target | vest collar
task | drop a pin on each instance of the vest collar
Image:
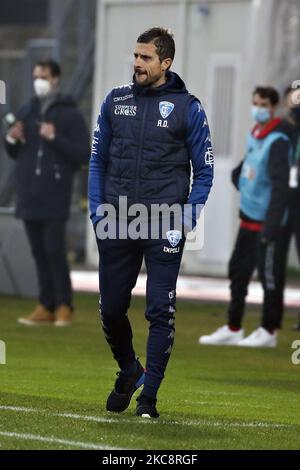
(262, 133)
(174, 84)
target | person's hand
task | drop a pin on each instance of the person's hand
(16, 132)
(47, 131)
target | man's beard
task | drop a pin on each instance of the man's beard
(149, 81)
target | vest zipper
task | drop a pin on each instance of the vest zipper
(140, 151)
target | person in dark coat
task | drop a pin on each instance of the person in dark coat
(49, 142)
(262, 179)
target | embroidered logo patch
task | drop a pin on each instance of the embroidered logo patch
(165, 108)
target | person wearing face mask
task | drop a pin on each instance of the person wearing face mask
(262, 179)
(49, 142)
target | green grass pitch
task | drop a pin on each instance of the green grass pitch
(55, 383)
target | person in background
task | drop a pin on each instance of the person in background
(49, 142)
(262, 179)
(292, 226)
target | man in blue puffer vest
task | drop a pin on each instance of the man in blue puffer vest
(148, 135)
(262, 179)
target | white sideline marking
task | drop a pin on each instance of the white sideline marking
(21, 409)
(219, 424)
(18, 409)
(55, 440)
(99, 419)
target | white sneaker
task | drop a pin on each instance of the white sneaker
(223, 335)
(260, 338)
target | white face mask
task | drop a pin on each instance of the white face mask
(42, 87)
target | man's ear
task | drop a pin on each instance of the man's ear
(166, 64)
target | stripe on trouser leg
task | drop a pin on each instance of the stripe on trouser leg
(269, 267)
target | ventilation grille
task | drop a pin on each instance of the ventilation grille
(223, 93)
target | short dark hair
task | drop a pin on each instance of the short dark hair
(163, 41)
(52, 65)
(267, 92)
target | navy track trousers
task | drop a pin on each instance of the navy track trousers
(119, 265)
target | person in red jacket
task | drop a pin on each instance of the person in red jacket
(262, 179)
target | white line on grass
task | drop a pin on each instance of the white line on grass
(220, 424)
(100, 419)
(196, 423)
(55, 440)
(19, 409)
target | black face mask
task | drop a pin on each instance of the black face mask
(295, 113)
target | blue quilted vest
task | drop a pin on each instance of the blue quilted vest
(148, 158)
(254, 183)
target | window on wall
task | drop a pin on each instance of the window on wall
(222, 105)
